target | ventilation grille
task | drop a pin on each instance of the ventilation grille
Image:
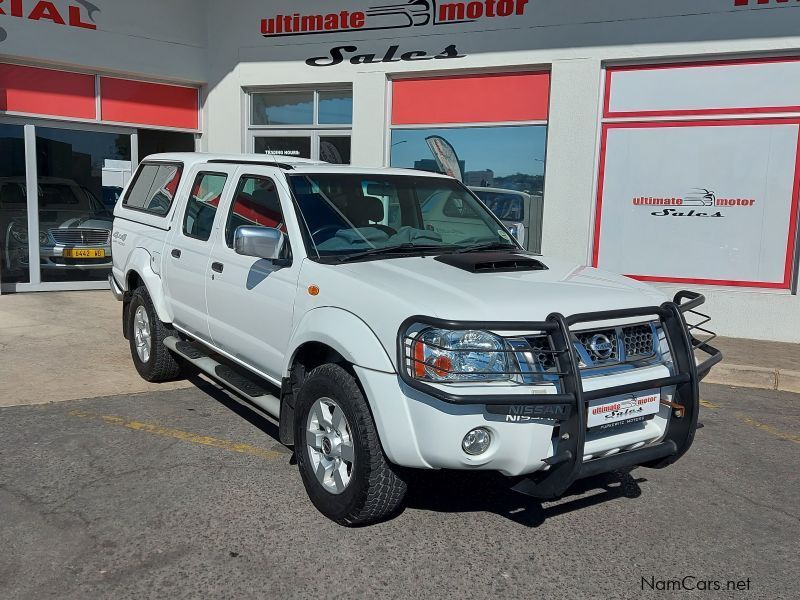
(81, 237)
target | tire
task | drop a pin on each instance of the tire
(375, 490)
(158, 363)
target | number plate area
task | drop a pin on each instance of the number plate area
(81, 253)
(608, 413)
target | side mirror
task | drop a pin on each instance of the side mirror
(518, 231)
(261, 242)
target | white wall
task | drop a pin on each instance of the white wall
(161, 39)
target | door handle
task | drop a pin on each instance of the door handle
(217, 266)
(176, 253)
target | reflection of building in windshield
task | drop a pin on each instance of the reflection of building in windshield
(428, 164)
(479, 178)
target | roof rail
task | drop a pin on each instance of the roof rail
(265, 163)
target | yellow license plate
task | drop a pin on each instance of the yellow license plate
(81, 253)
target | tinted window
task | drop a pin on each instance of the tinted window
(283, 108)
(198, 220)
(335, 107)
(256, 204)
(154, 188)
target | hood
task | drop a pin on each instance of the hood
(442, 290)
(384, 293)
(87, 222)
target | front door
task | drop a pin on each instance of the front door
(189, 247)
(250, 300)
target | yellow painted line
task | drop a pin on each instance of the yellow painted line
(770, 429)
(708, 404)
(186, 436)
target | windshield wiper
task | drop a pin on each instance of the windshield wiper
(406, 248)
(487, 246)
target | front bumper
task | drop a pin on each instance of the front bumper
(428, 423)
(52, 257)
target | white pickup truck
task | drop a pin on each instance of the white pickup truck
(380, 341)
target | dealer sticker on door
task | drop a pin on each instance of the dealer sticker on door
(623, 410)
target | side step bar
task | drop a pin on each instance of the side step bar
(253, 392)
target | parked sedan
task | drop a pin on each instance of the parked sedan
(74, 226)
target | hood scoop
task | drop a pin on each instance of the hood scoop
(493, 262)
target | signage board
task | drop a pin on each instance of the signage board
(706, 202)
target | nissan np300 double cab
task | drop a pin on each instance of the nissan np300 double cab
(381, 340)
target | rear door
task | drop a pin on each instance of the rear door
(189, 247)
(250, 300)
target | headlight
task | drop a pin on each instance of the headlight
(42, 238)
(19, 233)
(445, 356)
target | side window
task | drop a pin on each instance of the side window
(256, 203)
(198, 220)
(154, 188)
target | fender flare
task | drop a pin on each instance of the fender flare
(330, 326)
(140, 261)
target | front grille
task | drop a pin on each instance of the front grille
(543, 356)
(81, 237)
(601, 346)
(595, 348)
(618, 345)
(638, 341)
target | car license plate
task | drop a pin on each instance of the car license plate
(84, 253)
(607, 413)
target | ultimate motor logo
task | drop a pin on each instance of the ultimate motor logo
(401, 15)
(700, 202)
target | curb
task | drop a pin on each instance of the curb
(782, 380)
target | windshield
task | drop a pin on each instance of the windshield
(508, 206)
(353, 214)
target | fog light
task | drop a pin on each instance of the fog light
(477, 441)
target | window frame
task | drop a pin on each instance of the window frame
(189, 200)
(315, 90)
(158, 163)
(314, 130)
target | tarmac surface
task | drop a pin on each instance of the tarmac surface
(185, 494)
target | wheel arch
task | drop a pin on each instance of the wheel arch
(139, 272)
(317, 341)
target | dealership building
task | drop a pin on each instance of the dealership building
(664, 136)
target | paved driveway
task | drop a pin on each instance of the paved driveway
(182, 494)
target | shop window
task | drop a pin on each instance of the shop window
(201, 209)
(298, 146)
(489, 131)
(13, 206)
(304, 123)
(504, 165)
(152, 141)
(74, 223)
(283, 108)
